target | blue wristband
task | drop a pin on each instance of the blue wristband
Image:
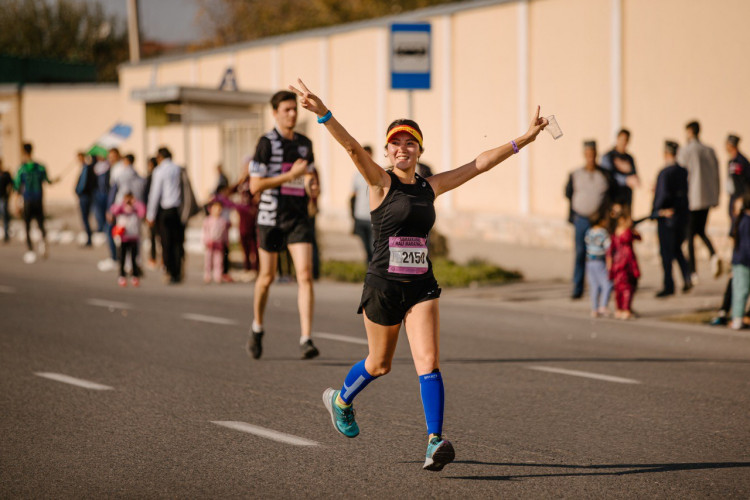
(325, 117)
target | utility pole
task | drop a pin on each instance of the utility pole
(134, 38)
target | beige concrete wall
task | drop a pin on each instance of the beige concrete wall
(182, 72)
(352, 91)
(252, 68)
(680, 61)
(569, 54)
(685, 61)
(11, 128)
(61, 120)
(485, 104)
(211, 69)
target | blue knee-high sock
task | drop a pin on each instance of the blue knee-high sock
(433, 400)
(355, 381)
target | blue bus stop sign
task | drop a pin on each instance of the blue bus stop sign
(411, 56)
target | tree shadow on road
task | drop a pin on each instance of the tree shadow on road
(593, 470)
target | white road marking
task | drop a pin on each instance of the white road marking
(7, 289)
(209, 319)
(109, 304)
(266, 433)
(576, 373)
(66, 379)
(340, 338)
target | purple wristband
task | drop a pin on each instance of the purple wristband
(515, 147)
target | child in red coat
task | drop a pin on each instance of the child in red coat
(624, 271)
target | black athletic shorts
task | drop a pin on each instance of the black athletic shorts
(33, 209)
(386, 302)
(274, 239)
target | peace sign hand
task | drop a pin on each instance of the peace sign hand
(308, 100)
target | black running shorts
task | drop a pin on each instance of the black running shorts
(386, 302)
(274, 239)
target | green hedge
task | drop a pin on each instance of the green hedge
(448, 273)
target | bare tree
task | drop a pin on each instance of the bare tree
(65, 30)
(232, 21)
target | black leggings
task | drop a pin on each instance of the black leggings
(131, 248)
(697, 227)
(33, 210)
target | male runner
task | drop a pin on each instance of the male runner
(281, 171)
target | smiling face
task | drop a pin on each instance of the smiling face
(286, 114)
(403, 151)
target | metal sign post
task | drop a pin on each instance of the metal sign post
(411, 47)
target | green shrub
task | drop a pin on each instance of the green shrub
(346, 271)
(473, 273)
(448, 273)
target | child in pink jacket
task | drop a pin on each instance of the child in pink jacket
(128, 216)
(215, 239)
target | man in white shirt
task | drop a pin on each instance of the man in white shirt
(117, 166)
(164, 201)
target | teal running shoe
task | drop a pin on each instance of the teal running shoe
(439, 454)
(342, 418)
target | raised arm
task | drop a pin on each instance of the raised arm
(259, 178)
(445, 181)
(371, 171)
(258, 184)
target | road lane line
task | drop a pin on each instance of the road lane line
(7, 289)
(576, 373)
(340, 338)
(109, 304)
(66, 379)
(266, 433)
(209, 319)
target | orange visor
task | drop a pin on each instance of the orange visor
(404, 128)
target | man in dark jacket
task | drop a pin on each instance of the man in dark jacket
(671, 210)
(85, 187)
(621, 165)
(739, 171)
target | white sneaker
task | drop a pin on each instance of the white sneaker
(737, 324)
(29, 257)
(106, 265)
(42, 249)
(716, 265)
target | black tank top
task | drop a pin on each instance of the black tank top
(400, 226)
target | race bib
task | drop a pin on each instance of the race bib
(408, 255)
(295, 187)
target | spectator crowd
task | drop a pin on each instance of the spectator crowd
(687, 188)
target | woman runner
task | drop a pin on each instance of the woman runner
(399, 285)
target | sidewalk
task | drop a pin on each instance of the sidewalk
(546, 271)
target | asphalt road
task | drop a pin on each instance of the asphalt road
(539, 404)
